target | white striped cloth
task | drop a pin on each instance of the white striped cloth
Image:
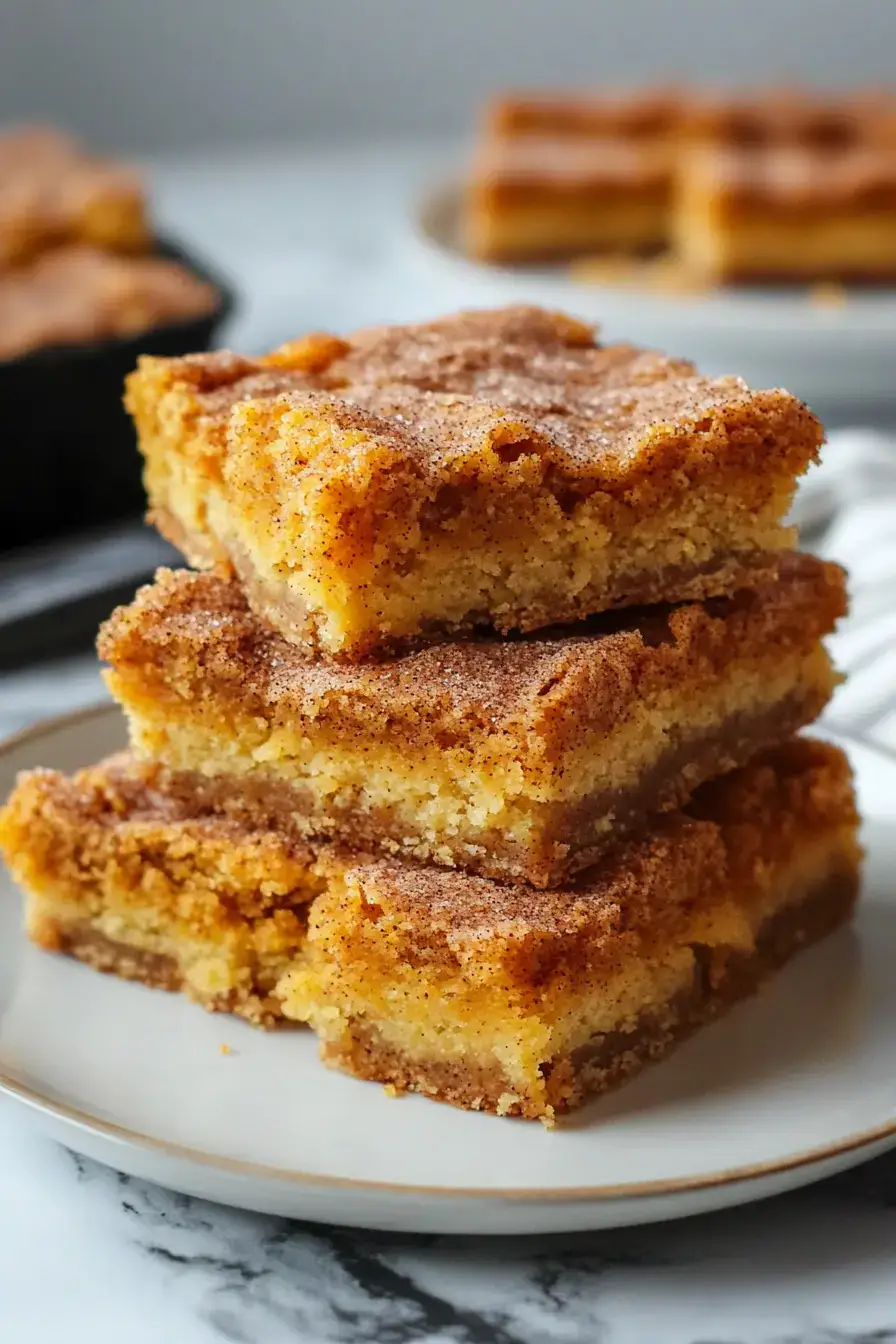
(846, 509)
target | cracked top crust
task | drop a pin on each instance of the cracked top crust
(122, 790)
(631, 113)
(195, 630)
(467, 393)
(766, 115)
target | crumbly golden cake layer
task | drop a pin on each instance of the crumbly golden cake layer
(526, 1003)
(145, 886)
(522, 757)
(78, 294)
(791, 212)
(52, 192)
(493, 468)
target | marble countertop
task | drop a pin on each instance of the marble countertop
(92, 1257)
(97, 1258)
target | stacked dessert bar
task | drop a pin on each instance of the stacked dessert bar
(472, 741)
(764, 186)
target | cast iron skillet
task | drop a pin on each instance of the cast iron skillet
(68, 457)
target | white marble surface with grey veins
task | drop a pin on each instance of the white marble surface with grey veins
(91, 1257)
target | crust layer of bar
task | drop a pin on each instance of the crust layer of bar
(493, 468)
(520, 1002)
(520, 758)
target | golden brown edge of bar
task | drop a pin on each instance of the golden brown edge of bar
(721, 981)
(155, 970)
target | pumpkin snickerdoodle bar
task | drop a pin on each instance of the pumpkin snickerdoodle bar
(526, 1002)
(537, 196)
(148, 887)
(788, 213)
(494, 469)
(565, 174)
(522, 758)
(573, 173)
(484, 995)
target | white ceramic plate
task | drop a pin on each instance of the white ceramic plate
(771, 337)
(793, 1086)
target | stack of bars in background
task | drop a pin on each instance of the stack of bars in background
(472, 743)
(770, 186)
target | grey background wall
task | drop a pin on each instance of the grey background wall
(166, 74)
